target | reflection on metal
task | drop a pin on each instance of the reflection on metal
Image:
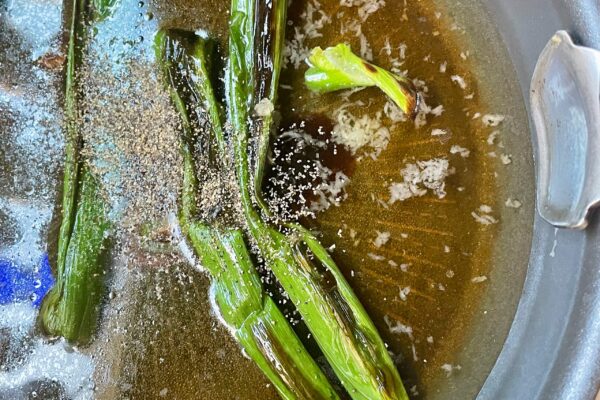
(565, 102)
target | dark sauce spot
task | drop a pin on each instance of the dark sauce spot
(295, 10)
(302, 143)
(320, 127)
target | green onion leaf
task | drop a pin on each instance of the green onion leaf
(337, 68)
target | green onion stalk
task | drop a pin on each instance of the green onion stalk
(333, 314)
(71, 308)
(337, 68)
(264, 333)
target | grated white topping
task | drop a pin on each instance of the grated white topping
(483, 215)
(355, 133)
(420, 177)
(375, 257)
(264, 108)
(398, 327)
(404, 292)
(425, 109)
(506, 159)
(492, 137)
(459, 81)
(365, 7)
(330, 191)
(393, 112)
(381, 239)
(355, 26)
(326, 186)
(313, 19)
(513, 203)
(449, 368)
(456, 149)
(492, 119)
(443, 67)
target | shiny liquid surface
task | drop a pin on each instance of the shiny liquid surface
(159, 337)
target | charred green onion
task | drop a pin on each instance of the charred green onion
(331, 311)
(71, 307)
(337, 68)
(335, 317)
(257, 323)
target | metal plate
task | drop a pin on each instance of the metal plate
(553, 349)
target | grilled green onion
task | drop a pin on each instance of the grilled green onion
(331, 311)
(257, 323)
(71, 308)
(337, 68)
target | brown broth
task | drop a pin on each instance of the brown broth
(429, 222)
(181, 346)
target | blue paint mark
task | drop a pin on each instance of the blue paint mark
(17, 285)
